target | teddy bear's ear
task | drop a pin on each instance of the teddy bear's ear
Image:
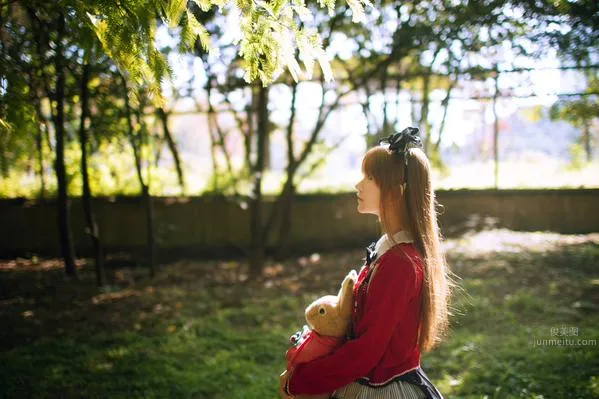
(346, 293)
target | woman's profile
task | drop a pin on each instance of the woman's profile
(400, 308)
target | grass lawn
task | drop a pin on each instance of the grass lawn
(195, 331)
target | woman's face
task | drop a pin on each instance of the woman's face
(369, 196)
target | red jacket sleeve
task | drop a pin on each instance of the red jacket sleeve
(391, 288)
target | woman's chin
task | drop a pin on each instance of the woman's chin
(363, 211)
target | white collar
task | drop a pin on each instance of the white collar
(384, 243)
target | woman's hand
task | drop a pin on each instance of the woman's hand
(282, 383)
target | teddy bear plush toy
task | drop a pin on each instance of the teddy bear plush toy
(328, 319)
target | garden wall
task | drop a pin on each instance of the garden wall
(213, 226)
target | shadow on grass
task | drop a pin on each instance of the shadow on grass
(197, 331)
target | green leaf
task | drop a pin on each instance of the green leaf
(5, 126)
(198, 30)
(277, 5)
(204, 5)
(174, 12)
(325, 65)
(303, 13)
(358, 14)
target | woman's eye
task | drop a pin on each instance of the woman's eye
(321, 311)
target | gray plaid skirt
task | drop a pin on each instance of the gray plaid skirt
(411, 385)
(394, 390)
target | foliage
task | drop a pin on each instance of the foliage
(568, 26)
(270, 34)
(127, 33)
(197, 331)
(582, 110)
(400, 42)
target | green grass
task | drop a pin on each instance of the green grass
(197, 332)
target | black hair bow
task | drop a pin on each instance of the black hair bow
(401, 142)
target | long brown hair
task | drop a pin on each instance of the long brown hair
(415, 203)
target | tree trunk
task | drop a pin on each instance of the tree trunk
(257, 242)
(282, 251)
(213, 144)
(371, 128)
(150, 229)
(397, 103)
(173, 148)
(3, 161)
(266, 150)
(39, 144)
(39, 137)
(387, 128)
(66, 241)
(586, 131)
(283, 205)
(148, 200)
(215, 131)
(249, 137)
(436, 150)
(136, 143)
(48, 137)
(263, 127)
(158, 149)
(92, 227)
(424, 125)
(445, 105)
(288, 193)
(496, 130)
(413, 102)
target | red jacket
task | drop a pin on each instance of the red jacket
(386, 321)
(311, 345)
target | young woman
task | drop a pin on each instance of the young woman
(401, 296)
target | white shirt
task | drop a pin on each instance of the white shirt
(384, 243)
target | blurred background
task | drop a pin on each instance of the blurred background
(189, 166)
(506, 89)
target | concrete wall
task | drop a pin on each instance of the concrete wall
(212, 226)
